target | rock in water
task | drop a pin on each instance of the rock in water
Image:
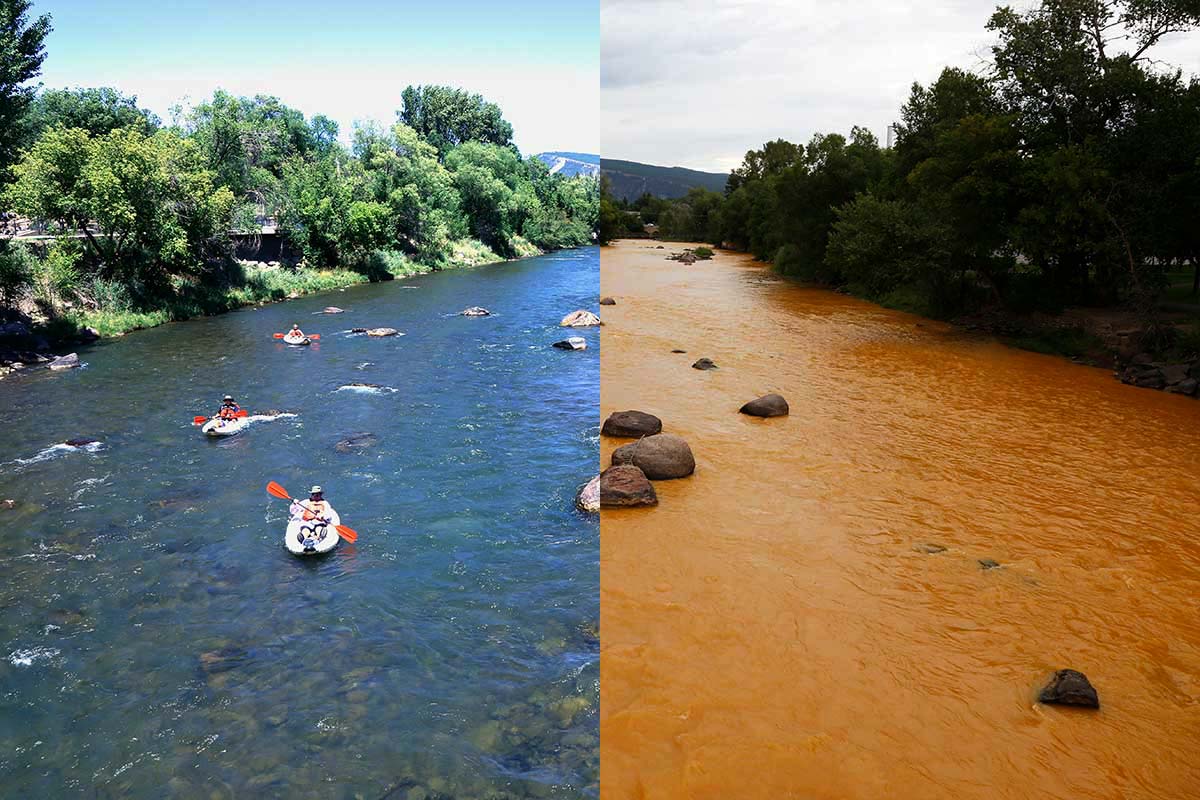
(769, 405)
(89, 335)
(574, 343)
(625, 486)
(704, 363)
(81, 442)
(677, 350)
(663, 456)
(358, 330)
(607, 301)
(579, 319)
(1069, 688)
(476, 311)
(588, 497)
(631, 424)
(356, 442)
(333, 310)
(382, 332)
(69, 361)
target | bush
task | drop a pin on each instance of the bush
(703, 253)
(17, 266)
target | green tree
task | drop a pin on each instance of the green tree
(22, 52)
(447, 117)
(96, 111)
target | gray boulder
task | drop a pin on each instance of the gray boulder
(573, 343)
(379, 332)
(356, 442)
(333, 310)
(663, 456)
(475, 311)
(1069, 688)
(631, 424)
(579, 319)
(607, 301)
(769, 405)
(69, 361)
(704, 363)
(625, 486)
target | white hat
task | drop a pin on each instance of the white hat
(315, 490)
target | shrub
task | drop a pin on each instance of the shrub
(17, 266)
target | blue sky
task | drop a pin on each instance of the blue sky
(348, 59)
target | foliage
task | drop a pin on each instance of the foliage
(447, 117)
(17, 267)
(22, 52)
(96, 111)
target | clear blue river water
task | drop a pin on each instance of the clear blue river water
(158, 641)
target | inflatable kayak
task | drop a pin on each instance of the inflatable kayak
(224, 427)
(310, 537)
(297, 340)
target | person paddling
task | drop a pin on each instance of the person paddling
(315, 512)
(295, 333)
(229, 409)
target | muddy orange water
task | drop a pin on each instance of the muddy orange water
(773, 629)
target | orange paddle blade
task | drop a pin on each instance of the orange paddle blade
(198, 420)
(314, 336)
(243, 413)
(277, 335)
(277, 490)
(346, 533)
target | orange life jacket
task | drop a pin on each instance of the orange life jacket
(228, 412)
(316, 508)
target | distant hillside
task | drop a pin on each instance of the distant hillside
(631, 180)
(572, 164)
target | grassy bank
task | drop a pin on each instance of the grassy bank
(244, 285)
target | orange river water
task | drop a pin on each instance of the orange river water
(773, 628)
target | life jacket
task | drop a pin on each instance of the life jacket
(314, 509)
(228, 412)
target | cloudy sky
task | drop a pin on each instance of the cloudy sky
(349, 60)
(697, 83)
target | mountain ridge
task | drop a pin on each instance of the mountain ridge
(629, 180)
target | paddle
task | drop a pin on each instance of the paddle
(202, 420)
(306, 336)
(276, 490)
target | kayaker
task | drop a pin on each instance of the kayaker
(229, 409)
(313, 511)
(295, 332)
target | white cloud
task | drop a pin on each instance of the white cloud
(696, 84)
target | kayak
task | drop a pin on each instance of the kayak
(224, 427)
(303, 540)
(297, 340)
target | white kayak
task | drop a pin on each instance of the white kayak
(310, 537)
(224, 427)
(297, 340)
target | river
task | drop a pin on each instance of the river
(159, 641)
(784, 624)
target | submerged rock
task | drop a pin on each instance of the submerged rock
(588, 497)
(574, 343)
(704, 363)
(356, 442)
(69, 361)
(663, 456)
(627, 424)
(988, 563)
(1069, 688)
(769, 405)
(607, 301)
(81, 442)
(625, 486)
(929, 548)
(579, 319)
(475, 311)
(382, 332)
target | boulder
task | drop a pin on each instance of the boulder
(1186, 386)
(1175, 373)
(88, 335)
(631, 424)
(574, 343)
(14, 329)
(588, 497)
(382, 332)
(625, 486)
(69, 361)
(80, 442)
(333, 310)
(476, 311)
(704, 363)
(579, 319)
(989, 563)
(662, 457)
(1069, 688)
(356, 442)
(8, 504)
(607, 301)
(358, 330)
(679, 351)
(769, 405)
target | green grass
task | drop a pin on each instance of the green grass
(1066, 342)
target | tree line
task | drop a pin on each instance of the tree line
(1067, 172)
(139, 208)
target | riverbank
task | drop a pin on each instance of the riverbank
(29, 343)
(895, 568)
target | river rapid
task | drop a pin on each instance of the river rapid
(814, 614)
(159, 641)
